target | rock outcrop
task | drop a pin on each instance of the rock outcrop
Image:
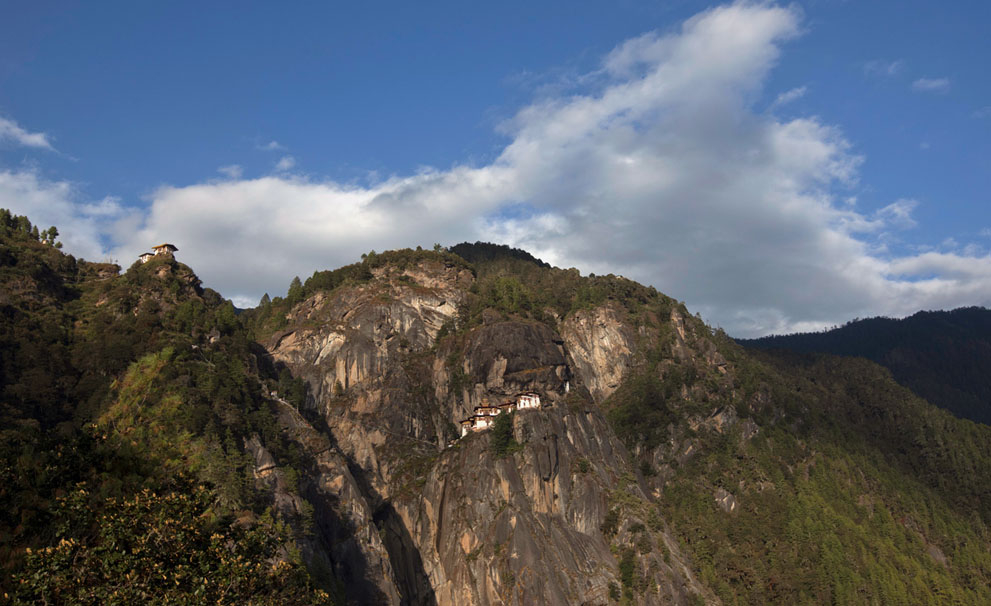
(550, 522)
(601, 347)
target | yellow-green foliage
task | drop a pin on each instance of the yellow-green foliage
(161, 548)
(852, 504)
(146, 413)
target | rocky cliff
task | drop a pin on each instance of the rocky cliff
(666, 464)
(550, 522)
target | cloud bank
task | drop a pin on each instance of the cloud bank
(660, 168)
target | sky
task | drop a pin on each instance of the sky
(778, 167)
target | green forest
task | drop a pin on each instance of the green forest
(943, 356)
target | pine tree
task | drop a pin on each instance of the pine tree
(295, 294)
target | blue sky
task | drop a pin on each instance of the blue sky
(778, 167)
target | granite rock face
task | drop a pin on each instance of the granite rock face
(601, 347)
(409, 513)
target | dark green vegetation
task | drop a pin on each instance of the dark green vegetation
(515, 284)
(161, 548)
(481, 253)
(125, 403)
(943, 356)
(503, 443)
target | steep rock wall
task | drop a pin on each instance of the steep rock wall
(602, 348)
(546, 524)
(525, 528)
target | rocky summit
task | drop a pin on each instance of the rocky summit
(463, 426)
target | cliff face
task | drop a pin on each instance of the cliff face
(666, 465)
(601, 347)
(551, 521)
(526, 528)
(358, 352)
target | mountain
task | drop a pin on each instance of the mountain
(311, 449)
(943, 356)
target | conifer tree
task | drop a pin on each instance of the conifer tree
(295, 294)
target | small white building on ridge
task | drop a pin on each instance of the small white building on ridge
(165, 250)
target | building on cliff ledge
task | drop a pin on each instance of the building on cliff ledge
(145, 257)
(476, 422)
(528, 400)
(486, 411)
(483, 415)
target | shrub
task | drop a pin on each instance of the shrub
(503, 442)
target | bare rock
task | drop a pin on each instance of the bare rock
(725, 500)
(601, 347)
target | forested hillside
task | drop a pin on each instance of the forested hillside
(125, 402)
(943, 356)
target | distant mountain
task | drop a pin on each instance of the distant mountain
(943, 356)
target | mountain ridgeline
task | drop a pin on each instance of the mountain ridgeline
(159, 447)
(943, 356)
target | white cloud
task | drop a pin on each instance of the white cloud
(10, 131)
(83, 225)
(983, 112)
(271, 146)
(931, 85)
(883, 68)
(662, 170)
(285, 163)
(789, 96)
(899, 213)
(233, 171)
